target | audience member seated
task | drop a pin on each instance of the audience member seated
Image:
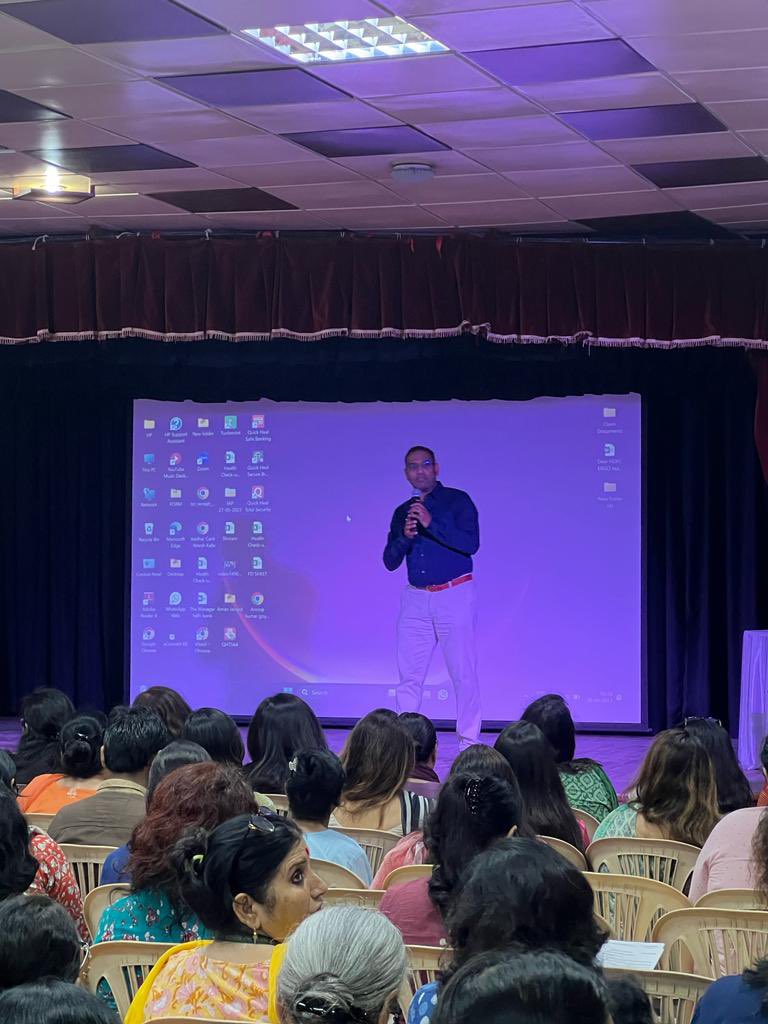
(425, 741)
(54, 1002)
(676, 794)
(524, 988)
(169, 704)
(627, 1002)
(315, 781)
(217, 733)
(735, 855)
(733, 789)
(43, 713)
(8, 771)
(532, 759)
(30, 861)
(476, 759)
(585, 782)
(736, 999)
(131, 740)
(80, 744)
(250, 883)
(345, 965)
(281, 726)
(762, 800)
(178, 753)
(471, 812)
(517, 895)
(378, 758)
(202, 795)
(38, 939)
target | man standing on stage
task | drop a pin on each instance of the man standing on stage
(436, 531)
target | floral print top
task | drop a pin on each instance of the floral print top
(56, 879)
(149, 916)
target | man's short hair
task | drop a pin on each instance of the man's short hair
(420, 448)
(132, 738)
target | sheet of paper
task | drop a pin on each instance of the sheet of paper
(632, 956)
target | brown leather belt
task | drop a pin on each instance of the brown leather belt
(434, 587)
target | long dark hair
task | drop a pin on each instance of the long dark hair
(471, 811)
(553, 717)
(217, 733)
(281, 725)
(378, 758)
(733, 790)
(51, 1001)
(532, 759)
(18, 867)
(43, 713)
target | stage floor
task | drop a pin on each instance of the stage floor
(620, 755)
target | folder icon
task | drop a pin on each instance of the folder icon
(149, 424)
(175, 563)
(202, 422)
(229, 599)
(175, 492)
(230, 492)
(609, 488)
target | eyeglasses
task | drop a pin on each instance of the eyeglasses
(426, 464)
(261, 823)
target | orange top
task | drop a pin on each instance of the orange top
(44, 795)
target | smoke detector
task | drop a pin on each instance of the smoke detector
(412, 172)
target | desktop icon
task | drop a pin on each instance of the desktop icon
(229, 528)
(175, 598)
(201, 633)
(203, 493)
(175, 563)
(230, 565)
(230, 599)
(257, 599)
(230, 422)
(150, 494)
(149, 424)
(257, 458)
(175, 459)
(149, 458)
(176, 423)
(202, 562)
(609, 412)
(257, 421)
(203, 528)
(149, 529)
(148, 598)
(257, 492)
(256, 562)
(202, 459)
(230, 492)
(175, 528)
(148, 634)
(148, 563)
(203, 422)
(609, 488)
(175, 492)
(256, 527)
(230, 633)
(229, 458)
(202, 598)
(609, 449)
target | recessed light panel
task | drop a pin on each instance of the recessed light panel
(332, 42)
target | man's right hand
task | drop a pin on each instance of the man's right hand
(411, 528)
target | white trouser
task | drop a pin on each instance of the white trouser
(444, 617)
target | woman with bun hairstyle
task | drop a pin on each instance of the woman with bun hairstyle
(345, 965)
(315, 781)
(43, 713)
(80, 742)
(250, 884)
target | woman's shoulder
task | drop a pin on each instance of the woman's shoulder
(730, 999)
(621, 822)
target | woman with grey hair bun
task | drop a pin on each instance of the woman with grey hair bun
(344, 965)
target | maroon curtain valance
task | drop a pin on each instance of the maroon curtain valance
(250, 289)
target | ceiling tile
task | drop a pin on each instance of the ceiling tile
(607, 93)
(681, 173)
(229, 200)
(338, 195)
(737, 214)
(676, 147)
(63, 66)
(186, 56)
(743, 114)
(97, 21)
(406, 8)
(16, 165)
(15, 108)
(367, 141)
(240, 14)
(173, 180)
(455, 106)
(500, 131)
(296, 172)
(678, 224)
(457, 188)
(118, 98)
(147, 222)
(62, 134)
(283, 220)
(123, 206)
(757, 140)
(536, 25)
(615, 204)
(667, 17)
(49, 224)
(306, 117)
(705, 51)
(185, 126)
(255, 88)
(385, 218)
(16, 36)
(256, 149)
(445, 161)
(442, 72)
(740, 84)
(534, 158)
(19, 209)
(562, 63)
(578, 181)
(639, 122)
(712, 196)
(98, 159)
(504, 211)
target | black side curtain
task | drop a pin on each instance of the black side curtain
(65, 414)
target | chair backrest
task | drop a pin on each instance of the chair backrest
(571, 854)
(591, 824)
(369, 898)
(719, 941)
(423, 787)
(123, 965)
(97, 901)
(424, 965)
(730, 899)
(408, 873)
(280, 800)
(375, 842)
(631, 905)
(39, 820)
(673, 996)
(662, 859)
(335, 875)
(87, 862)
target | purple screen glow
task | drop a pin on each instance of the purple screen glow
(258, 530)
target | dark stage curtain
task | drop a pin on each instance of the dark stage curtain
(66, 412)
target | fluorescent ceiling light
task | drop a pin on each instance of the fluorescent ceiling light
(337, 41)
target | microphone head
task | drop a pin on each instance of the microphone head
(415, 494)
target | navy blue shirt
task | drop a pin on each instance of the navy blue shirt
(444, 550)
(730, 1000)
